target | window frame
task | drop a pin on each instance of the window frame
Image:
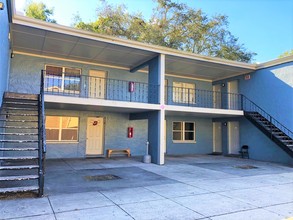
(63, 76)
(183, 131)
(60, 130)
(183, 98)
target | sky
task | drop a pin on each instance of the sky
(263, 26)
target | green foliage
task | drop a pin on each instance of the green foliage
(39, 11)
(286, 53)
(172, 25)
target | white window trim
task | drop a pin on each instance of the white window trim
(63, 73)
(60, 131)
(183, 132)
(184, 88)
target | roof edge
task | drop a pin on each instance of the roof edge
(275, 62)
(25, 21)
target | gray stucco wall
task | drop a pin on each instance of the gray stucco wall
(26, 71)
(203, 135)
(4, 51)
(115, 130)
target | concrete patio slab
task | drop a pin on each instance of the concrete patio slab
(186, 187)
(212, 204)
(285, 210)
(77, 201)
(109, 213)
(24, 208)
(256, 214)
(176, 190)
(160, 210)
(259, 198)
(37, 217)
(131, 195)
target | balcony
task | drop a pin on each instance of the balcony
(180, 96)
(66, 84)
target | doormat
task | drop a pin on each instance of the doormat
(102, 177)
(246, 167)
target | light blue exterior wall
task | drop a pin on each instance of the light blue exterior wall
(115, 130)
(4, 51)
(26, 71)
(203, 136)
(271, 89)
(260, 146)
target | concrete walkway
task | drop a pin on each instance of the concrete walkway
(193, 187)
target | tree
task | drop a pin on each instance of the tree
(172, 25)
(286, 53)
(39, 11)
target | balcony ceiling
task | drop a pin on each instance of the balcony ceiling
(51, 40)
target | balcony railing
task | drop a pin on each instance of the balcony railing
(100, 88)
(202, 98)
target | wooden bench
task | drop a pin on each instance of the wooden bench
(118, 151)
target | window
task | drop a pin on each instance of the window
(60, 129)
(62, 79)
(183, 92)
(184, 131)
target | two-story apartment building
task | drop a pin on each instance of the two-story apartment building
(102, 92)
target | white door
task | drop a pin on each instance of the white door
(95, 136)
(97, 84)
(232, 97)
(217, 96)
(217, 137)
(233, 137)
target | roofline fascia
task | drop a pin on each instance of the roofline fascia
(25, 21)
(275, 62)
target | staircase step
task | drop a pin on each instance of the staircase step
(17, 114)
(19, 189)
(19, 134)
(18, 158)
(21, 103)
(8, 120)
(286, 140)
(19, 149)
(18, 127)
(18, 178)
(13, 95)
(26, 167)
(19, 141)
(22, 109)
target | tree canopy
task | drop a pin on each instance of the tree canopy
(172, 25)
(286, 53)
(39, 10)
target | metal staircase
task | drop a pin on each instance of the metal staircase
(22, 143)
(277, 132)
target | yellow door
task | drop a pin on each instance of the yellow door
(95, 136)
(97, 84)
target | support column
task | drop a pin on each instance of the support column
(156, 118)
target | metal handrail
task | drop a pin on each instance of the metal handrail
(41, 136)
(250, 106)
(100, 88)
(202, 98)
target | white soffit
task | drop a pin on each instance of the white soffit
(67, 43)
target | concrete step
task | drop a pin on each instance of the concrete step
(18, 134)
(26, 167)
(19, 189)
(17, 120)
(19, 127)
(19, 141)
(13, 95)
(19, 158)
(18, 178)
(18, 149)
